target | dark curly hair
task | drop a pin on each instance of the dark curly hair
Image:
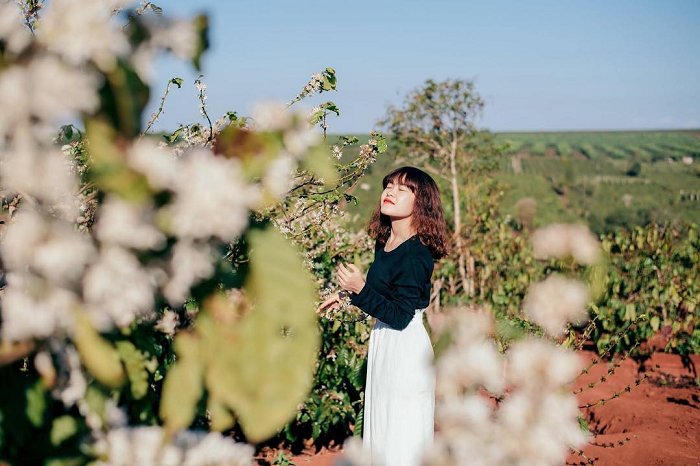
(428, 218)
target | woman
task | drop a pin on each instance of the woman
(410, 232)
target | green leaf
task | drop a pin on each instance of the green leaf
(36, 403)
(582, 423)
(109, 170)
(173, 137)
(359, 374)
(326, 85)
(74, 461)
(96, 399)
(63, 428)
(331, 107)
(265, 368)
(177, 82)
(655, 321)
(348, 140)
(97, 354)
(156, 9)
(123, 97)
(359, 420)
(329, 80)
(201, 24)
(182, 388)
(351, 198)
(316, 117)
(221, 417)
(135, 364)
(319, 163)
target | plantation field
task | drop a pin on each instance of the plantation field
(606, 179)
(648, 146)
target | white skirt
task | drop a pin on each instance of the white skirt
(399, 407)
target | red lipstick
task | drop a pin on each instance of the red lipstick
(387, 200)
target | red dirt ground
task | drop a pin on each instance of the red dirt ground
(657, 423)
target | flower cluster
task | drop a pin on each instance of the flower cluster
(531, 421)
(143, 239)
(314, 85)
(555, 301)
(145, 446)
(319, 82)
(559, 299)
(561, 240)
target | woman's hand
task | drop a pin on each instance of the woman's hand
(350, 278)
(332, 302)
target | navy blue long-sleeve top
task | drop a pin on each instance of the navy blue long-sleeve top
(398, 283)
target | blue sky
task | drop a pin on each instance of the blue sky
(539, 65)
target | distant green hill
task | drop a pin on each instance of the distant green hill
(607, 179)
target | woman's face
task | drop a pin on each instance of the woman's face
(397, 200)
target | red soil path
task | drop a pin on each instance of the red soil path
(657, 423)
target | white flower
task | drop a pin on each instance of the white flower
(467, 436)
(539, 430)
(115, 415)
(464, 413)
(205, 449)
(270, 116)
(560, 240)
(139, 445)
(31, 308)
(50, 248)
(144, 446)
(211, 198)
(168, 323)
(469, 367)
(128, 224)
(157, 164)
(142, 61)
(40, 174)
(82, 30)
(39, 103)
(12, 31)
(278, 179)
(469, 325)
(299, 140)
(117, 289)
(73, 389)
(540, 365)
(180, 36)
(354, 454)
(314, 111)
(191, 262)
(555, 301)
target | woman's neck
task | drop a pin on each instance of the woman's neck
(401, 229)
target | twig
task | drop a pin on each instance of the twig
(201, 87)
(610, 372)
(627, 389)
(155, 116)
